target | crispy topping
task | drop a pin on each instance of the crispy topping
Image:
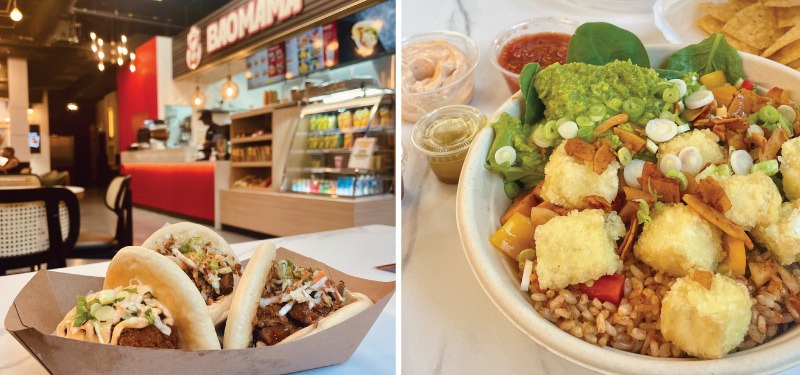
(713, 194)
(703, 277)
(602, 159)
(580, 149)
(598, 202)
(717, 218)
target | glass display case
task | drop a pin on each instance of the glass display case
(344, 148)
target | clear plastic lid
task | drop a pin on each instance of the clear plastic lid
(447, 130)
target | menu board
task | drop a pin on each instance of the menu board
(266, 66)
(365, 34)
(312, 50)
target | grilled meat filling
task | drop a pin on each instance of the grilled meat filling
(149, 337)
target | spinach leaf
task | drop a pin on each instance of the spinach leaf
(669, 74)
(711, 54)
(534, 108)
(599, 43)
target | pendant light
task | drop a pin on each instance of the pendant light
(15, 15)
(198, 98)
(229, 89)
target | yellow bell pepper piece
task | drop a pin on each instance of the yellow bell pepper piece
(724, 94)
(714, 79)
(514, 236)
(737, 258)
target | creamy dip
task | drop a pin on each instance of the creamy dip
(431, 64)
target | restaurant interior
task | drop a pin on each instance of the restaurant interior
(120, 103)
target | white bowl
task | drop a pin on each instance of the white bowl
(480, 203)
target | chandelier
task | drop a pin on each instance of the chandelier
(117, 53)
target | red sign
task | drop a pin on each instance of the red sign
(245, 20)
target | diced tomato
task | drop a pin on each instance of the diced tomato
(607, 288)
(747, 84)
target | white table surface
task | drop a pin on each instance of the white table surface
(449, 324)
(354, 251)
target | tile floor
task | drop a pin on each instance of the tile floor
(96, 217)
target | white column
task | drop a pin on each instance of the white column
(18, 107)
(40, 163)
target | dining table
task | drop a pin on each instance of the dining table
(355, 251)
(449, 324)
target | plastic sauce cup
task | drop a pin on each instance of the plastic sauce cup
(444, 137)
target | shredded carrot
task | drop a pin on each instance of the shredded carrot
(320, 274)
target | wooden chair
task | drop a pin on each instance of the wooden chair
(20, 180)
(97, 245)
(37, 226)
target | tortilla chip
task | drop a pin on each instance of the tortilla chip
(741, 46)
(755, 25)
(787, 54)
(790, 36)
(709, 24)
(725, 11)
(788, 17)
(782, 3)
(794, 64)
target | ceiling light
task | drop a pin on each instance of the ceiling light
(119, 61)
(15, 15)
(101, 66)
(101, 55)
(198, 99)
(100, 42)
(133, 68)
(229, 89)
(133, 56)
(94, 47)
(72, 106)
(30, 110)
(124, 38)
(92, 35)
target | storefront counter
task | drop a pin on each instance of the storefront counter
(171, 184)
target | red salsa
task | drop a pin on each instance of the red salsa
(544, 48)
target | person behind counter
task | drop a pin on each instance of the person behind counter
(217, 137)
(12, 166)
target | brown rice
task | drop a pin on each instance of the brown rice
(634, 325)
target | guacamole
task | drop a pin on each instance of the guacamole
(568, 91)
(528, 169)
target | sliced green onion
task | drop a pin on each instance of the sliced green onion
(769, 167)
(753, 118)
(568, 129)
(680, 85)
(785, 127)
(527, 254)
(624, 155)
(665, 115)
(699, 98)
(643, 214)
(678, 175)
(651, 146)
(787, 113)
(598, 111)
(587, 134)
(584, 121)
(769, 114)
(684, 128)
(505, 154)
(148, 315)
(539, 138)
(550, 130)
(614, 105)
(723, 170)
(671, 95)
(739, 82)
(634, 107)
(511, 189)
(709, 171)
(658, 89)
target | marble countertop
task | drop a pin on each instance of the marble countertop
(450, 326)
(355, 251)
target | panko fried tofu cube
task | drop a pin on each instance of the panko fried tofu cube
(577, 248)
(568, 180)
(755, 200)
(706, 323)
(679, 240)
(705, 141)
(790, 168)
(782, 238)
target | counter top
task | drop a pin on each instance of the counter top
(355, 251)
(450, 326)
